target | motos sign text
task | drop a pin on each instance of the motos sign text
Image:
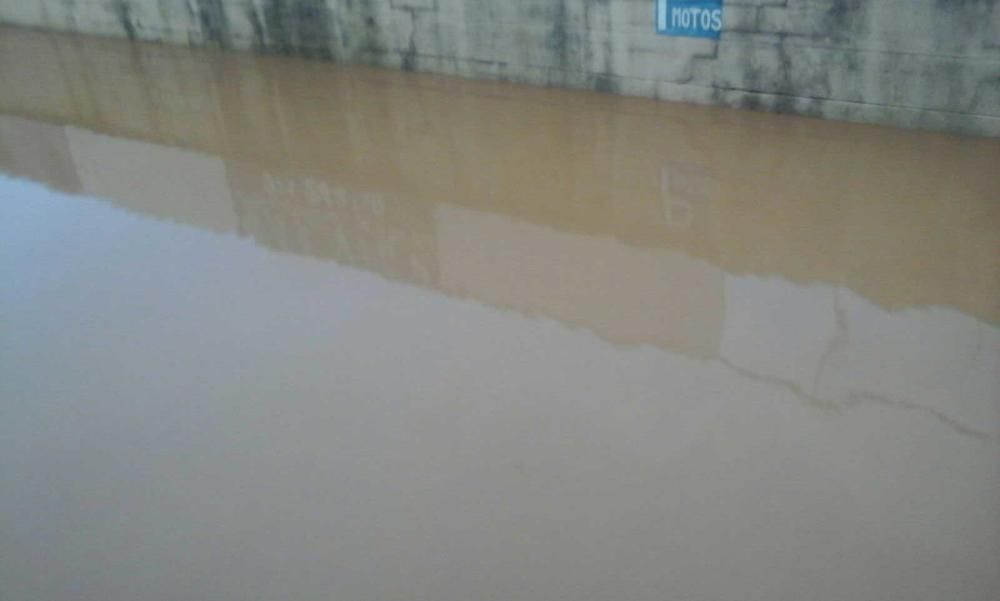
(692, 18)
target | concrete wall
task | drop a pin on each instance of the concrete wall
(917, 63)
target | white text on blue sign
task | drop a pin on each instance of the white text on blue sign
(690, 18)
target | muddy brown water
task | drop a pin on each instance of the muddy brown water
(275, 329)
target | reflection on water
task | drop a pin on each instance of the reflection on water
(904, 219)
(704, 347)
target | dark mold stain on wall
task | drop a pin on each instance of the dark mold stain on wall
(359, 35)
(315, 36)
(845, 20)
(123, 10)
(409, 62)
(558, 37)
(214, 23)
(279, 36)
(604, 81)
(567, 45)
(259, 34)
(370, 33)
(298, 27)
(69, 10)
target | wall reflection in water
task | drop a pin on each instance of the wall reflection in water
(812, 255)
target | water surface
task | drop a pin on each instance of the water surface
(274, 329)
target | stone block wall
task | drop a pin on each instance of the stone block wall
(916, 63)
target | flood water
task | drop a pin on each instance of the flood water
(274, 329)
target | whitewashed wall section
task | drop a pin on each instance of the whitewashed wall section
(917, 63)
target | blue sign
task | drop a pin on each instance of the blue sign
(691, 18)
